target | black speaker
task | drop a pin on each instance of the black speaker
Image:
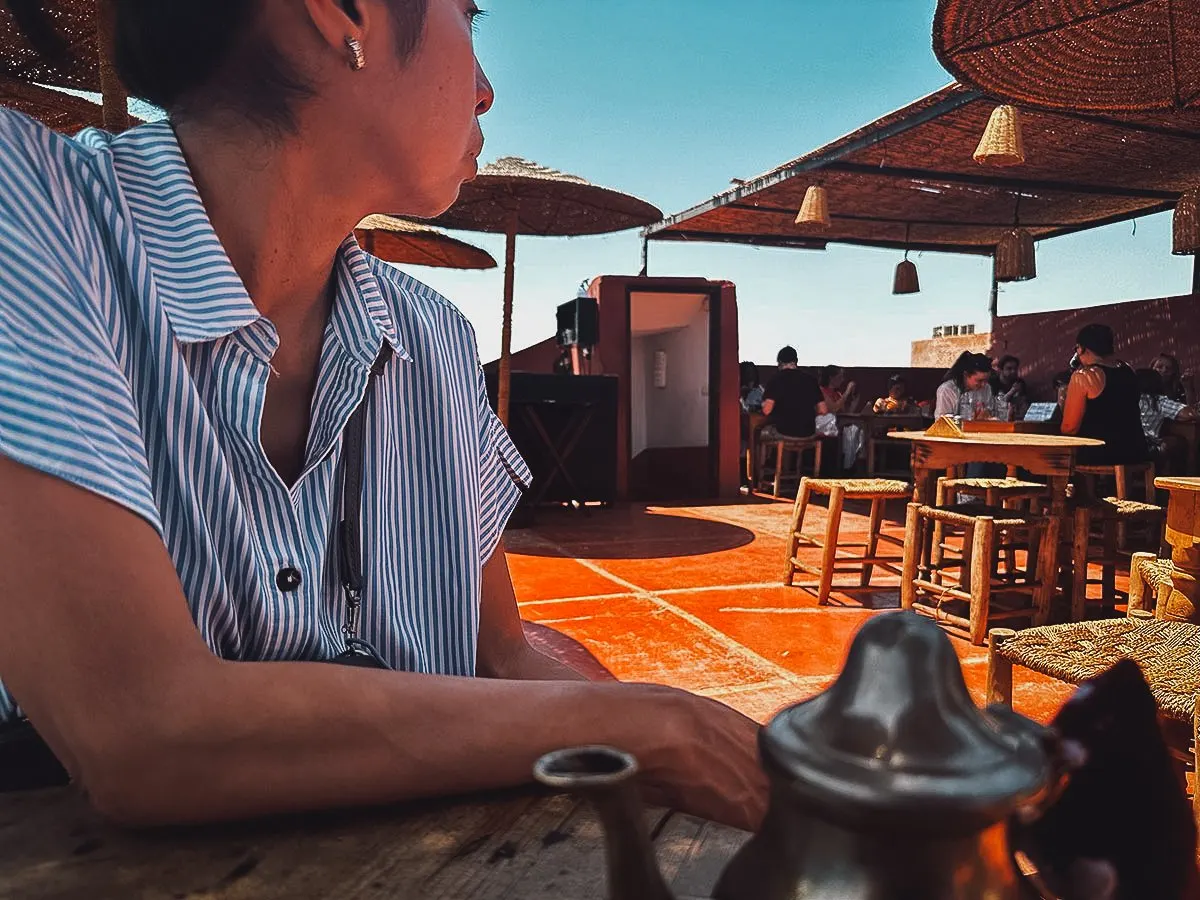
(579, 322)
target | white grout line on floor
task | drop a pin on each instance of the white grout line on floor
(715, 634)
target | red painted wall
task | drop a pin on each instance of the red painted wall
(1143, 329)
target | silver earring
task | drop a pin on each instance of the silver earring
(358, 59)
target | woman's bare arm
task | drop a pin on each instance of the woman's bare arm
(1086, 384)
(99, 648)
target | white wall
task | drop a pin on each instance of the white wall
(677, 415)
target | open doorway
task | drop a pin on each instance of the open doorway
(673, 413)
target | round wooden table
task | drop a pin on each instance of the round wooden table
(1050, 456)
(516, 846)
(1183, 536)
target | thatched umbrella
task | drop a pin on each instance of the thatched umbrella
(408, 243)
(1080, 55)
(64, 43)
(514, 196)
(62, 112)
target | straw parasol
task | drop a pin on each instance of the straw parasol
(408, 243)
(64, 43)
(1079, 55)
(62, 112)
(514, 196)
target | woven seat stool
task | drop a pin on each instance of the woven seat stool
(999, 492)
(1111, 515)
(1122, 476)
(785, 450)
(1168, 653)
(989, 596)
(878, 491)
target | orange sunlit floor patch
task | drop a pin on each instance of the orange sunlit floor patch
(693, 597)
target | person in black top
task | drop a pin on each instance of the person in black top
(793, 400)
(1103, 402)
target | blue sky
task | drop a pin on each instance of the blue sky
(670, 99)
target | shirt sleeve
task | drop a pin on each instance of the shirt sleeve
(503, 476)
(66, 405)
(1170, 408)
(947, 400)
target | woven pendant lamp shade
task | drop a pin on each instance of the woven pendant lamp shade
(1002, 143)
(1186, 224)
(906, 280)
(814, 211)
(1015, 257)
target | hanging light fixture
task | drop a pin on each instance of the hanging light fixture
(1015, 258)
(814, 211)
(1186, 224)
(906, 280)
(1002, 143)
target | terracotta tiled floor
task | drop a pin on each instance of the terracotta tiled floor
(693, 597)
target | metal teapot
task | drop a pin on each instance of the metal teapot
(890, 785)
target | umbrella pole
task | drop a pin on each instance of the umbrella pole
(114, 97)
(504, 381)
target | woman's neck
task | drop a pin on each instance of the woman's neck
(280, 208)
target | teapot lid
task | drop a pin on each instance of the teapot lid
(897, 739)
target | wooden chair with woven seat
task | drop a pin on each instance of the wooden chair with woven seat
(1167, 652)
(988, 595)
(1111, 515)
(1008, 492)
(878, 491)
(785, 450)
(1123, 476)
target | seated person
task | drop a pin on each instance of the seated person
(965, 391)
(897, 400)
(1157, 408)
(1009, 386)
(751, 390)
(792, 400)
(1103, 402)
(839, 396)
(1176, 385)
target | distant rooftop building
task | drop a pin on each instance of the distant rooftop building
(947, 342)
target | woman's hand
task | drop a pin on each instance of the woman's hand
(709, 765)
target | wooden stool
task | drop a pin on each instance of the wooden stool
(1150, 585)
(985, 530)
(1122, 475)
(1111, 514)
(1006, 492)
(1073, 653)
(878, 491)
(784, 450)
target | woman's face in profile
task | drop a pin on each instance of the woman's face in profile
(1165, 368)
(422, 115)
(976, 380)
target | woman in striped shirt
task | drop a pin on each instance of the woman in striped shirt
(185, 330)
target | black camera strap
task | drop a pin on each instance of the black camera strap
(350, 543)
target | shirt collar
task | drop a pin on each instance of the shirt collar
(202, 294)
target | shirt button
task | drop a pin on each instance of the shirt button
(288, 579)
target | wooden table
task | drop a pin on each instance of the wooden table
(1046, 455)
(518, 846)
(995, 426)
(1183, 535)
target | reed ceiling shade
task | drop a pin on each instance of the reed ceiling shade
(1185, 227)
(67, 55)
(914, 168)
(1102, 55)
(403, 242)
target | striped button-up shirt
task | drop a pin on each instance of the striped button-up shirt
(134, 365)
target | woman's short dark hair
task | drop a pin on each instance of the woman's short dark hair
(189, 56)
(1096, 338)
(787, 356)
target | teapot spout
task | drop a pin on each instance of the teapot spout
(605, 777)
